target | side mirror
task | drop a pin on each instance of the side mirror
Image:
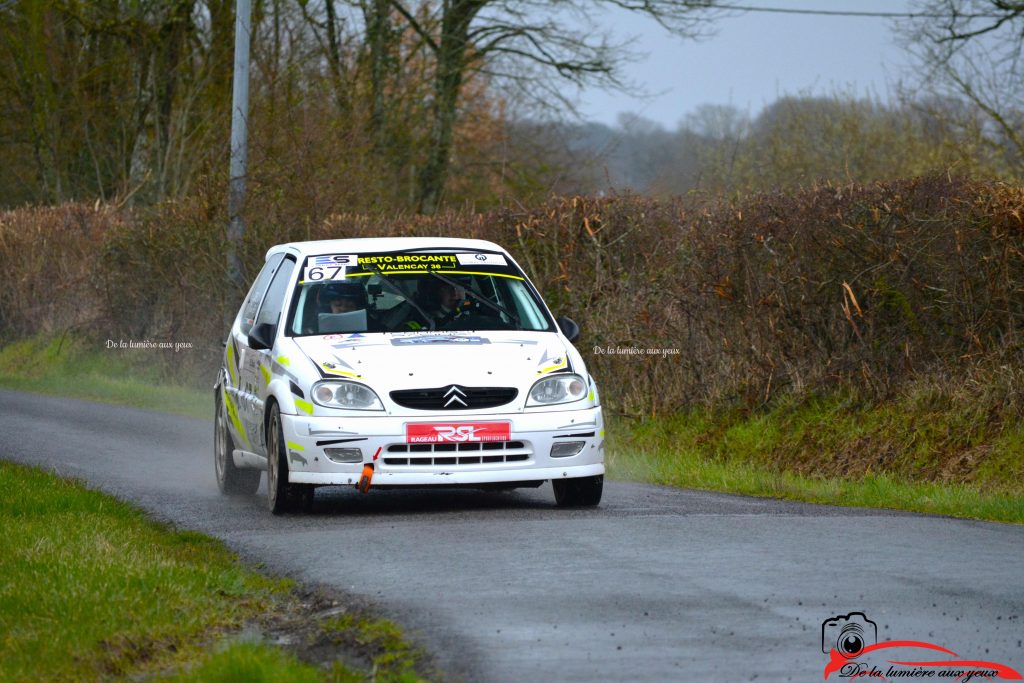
(262, 336)
(569, 328)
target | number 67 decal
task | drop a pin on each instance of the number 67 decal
(329, 267)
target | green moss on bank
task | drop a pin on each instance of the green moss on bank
(92, 590)
(76, 369)
(916, 452)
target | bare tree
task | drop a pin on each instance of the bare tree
(106, 98)
(972, 49)
(521, 43)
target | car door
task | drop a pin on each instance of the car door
(255, 364)
(236, 390)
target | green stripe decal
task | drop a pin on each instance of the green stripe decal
(295, 447)
(304, 406)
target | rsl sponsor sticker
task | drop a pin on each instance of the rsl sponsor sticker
(457, 432)
(328, 267)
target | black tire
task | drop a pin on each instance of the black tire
(304, 495)
(231, 480)
(580, 492)
(279, 499)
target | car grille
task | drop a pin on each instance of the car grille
(477, 453)
(454, 397)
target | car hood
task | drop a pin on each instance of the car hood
(434, 359)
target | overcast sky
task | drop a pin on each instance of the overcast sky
(754, 58)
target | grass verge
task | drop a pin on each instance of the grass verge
(93, 590)
(64, 367)
(940, 458)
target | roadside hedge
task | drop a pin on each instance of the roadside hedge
(694, 301)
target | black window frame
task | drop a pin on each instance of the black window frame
(270, 268)
(287, 289)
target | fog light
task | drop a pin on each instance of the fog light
(565, 449)
(344, 455)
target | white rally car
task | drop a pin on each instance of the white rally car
(403, 362)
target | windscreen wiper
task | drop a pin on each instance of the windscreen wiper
(476, 295)
(398, 290)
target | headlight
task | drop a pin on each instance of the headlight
(346, 395)
(563, 388)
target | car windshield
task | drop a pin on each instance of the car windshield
(408, 291)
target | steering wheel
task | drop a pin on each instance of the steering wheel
(466, 308)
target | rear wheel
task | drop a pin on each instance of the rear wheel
(579, 492)
(231, 480)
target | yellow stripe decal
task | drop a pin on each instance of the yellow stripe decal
(295, 447)
(231, 362)
(265, 373)
(553, 367)
(591, 396)
(304, 406)
(283, 360)
(233, 416)
(331, 371)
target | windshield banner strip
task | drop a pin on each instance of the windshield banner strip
(392, 263)
(444, 272)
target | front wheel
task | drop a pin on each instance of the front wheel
(579, 492)
(277, 466)
(231, 480)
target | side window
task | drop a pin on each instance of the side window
(273, 302)
(247, 316)
(530, 316)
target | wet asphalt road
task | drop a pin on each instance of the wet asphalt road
(655, 585)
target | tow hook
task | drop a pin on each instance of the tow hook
(366, 478)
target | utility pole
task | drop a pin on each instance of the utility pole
(239, 135)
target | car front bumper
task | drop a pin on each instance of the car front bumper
(382, 442)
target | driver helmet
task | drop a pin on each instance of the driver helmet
(350, 293)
